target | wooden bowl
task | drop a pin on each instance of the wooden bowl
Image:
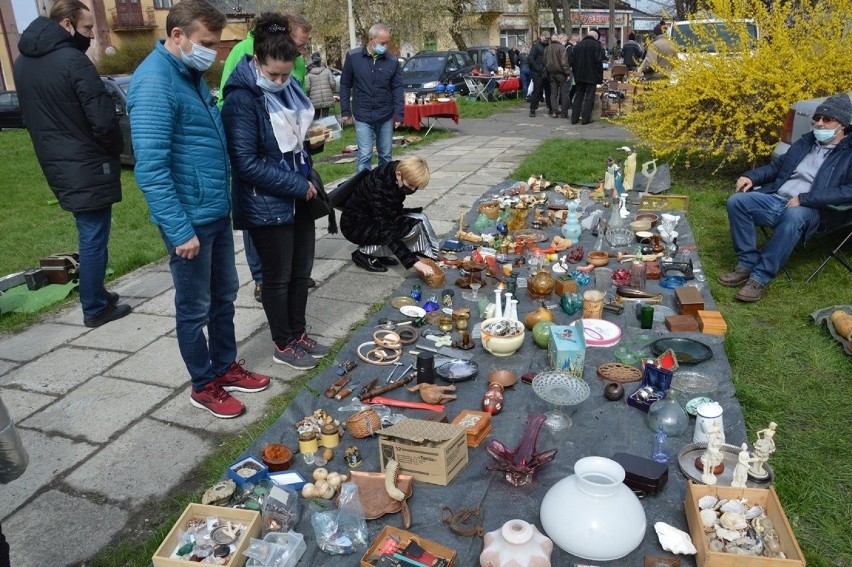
(598, 258)
(503, 377)
(647, 217)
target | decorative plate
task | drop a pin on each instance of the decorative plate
(691, 406)
(693, 383)
(687, 351)
(412, 311)
(457, 370)
(537, 235)
(402, 301)
(600, 333)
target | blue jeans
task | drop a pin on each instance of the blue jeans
(93, 230)
(205, 291)
(368, 134)
(525, 81)
(252, 259)
(789, 225)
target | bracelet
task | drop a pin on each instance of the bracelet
(380, 356)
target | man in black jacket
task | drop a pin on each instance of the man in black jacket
(587, 64)
(538, 74)
(72, 122)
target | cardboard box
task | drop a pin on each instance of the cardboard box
(430, 452)
(768, 500)
(165, 554)
(405, 537)
(478, 424)
(566, 348)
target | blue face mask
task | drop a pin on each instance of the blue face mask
(824, 135)
(269, 85)
(380, 49)
(200, 58)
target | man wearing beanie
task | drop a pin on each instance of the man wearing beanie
(790, 196)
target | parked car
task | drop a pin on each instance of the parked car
(796, 123)
(707, 35)
(477, 54)
(423, 72)
(117, 86)
(10, 110)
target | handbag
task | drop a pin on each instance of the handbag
(320, 206)
(340, 196)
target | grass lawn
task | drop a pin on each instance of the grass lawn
(784, 368)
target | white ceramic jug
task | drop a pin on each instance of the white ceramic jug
(707, 413)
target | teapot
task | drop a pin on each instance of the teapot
(706, 414)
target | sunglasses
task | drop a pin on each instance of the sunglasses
(825, 119)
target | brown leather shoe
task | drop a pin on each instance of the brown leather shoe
(751, 292)
(734, 279)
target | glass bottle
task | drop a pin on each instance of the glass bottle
(637, 270)
(660, 453)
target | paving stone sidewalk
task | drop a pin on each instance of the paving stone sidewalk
(104, 413)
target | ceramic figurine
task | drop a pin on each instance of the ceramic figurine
(619, 180)
(710, 460)
(629, 168)
(744, 461)
(649, 173)
(609, 178)
(763, 447)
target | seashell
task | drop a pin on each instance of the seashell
(708, 518)
(754, 512)
(715, 545)
(720, 503)
(734, 506)
(706, 502)
(733, 521)
(674, 540)
(745, 542)
(727, 535)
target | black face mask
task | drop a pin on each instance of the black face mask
(81, 42)
(407, 190)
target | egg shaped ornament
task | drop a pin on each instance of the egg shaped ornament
(541, 333)
(592, 514)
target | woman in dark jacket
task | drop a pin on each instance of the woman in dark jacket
(374, 218)
(266, 117)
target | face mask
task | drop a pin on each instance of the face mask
(269, 85)
(379, 49)
(824, 135)
(81, 42)
(407, 190)
(200, 58)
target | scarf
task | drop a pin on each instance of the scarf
(290, 114)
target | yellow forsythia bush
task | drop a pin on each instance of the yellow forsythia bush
(729, 108)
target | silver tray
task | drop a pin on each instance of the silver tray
(730, 453)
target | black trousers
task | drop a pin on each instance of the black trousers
(287, 258)
(584, 102)
(540, 84)
(559, 94)
(5, 559)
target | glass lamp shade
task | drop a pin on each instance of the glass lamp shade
(592, 514)
(667, 415)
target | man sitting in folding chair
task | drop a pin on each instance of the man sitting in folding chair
(792, 196)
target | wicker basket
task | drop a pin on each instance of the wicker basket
(363, 424)
(436, 280)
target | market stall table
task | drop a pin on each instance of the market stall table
(509, 85)
(416, 114)
(600, 427)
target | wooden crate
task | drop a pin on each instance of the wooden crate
(712, 323)
(768, 500)
(405, 537)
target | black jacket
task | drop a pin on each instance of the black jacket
(536, 58)
(632, 53)
(71, 118)
(587, 61)
(374, 214)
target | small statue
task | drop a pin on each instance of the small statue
(713, 457)
(598, 193)
(629, 168)
(763, 447)
(433, 394)
(744, 461)
(648, 172)
(609, 177)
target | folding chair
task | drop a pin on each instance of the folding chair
(476, 88)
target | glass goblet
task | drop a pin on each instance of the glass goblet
(473, 294)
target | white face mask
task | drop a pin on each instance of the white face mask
(200, 58)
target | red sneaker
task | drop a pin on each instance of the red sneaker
(238, 379)
(217, 401)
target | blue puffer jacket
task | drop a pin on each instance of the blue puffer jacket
(375, 87)
(832, 184)
(262, 190)
(179, 142)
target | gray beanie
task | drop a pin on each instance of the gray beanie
(838, 107)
